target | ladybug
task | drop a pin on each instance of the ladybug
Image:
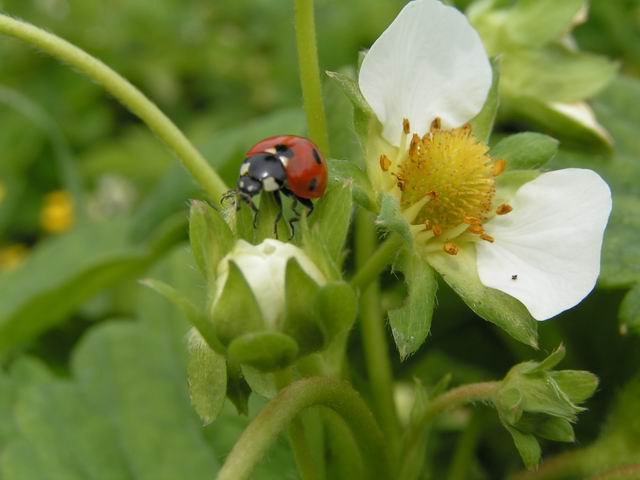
(285, 164)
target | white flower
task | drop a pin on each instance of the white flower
(425, 78)
(264, 267)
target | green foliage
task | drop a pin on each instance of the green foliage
(630, 310)
(482, 124)
(390, 217)
(211, 238)
(265, 351)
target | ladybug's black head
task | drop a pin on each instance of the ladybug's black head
(261, 172)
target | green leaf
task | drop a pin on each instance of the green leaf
(555, 74)
(549, 362)
(621, 250)
(268, 213)
(301, 322)
(60, 275)
(390, 217)
(528, 447)
(236, 311)
(211, 238)
(238, 390)
(534, 23)
(482, 124)
(410, 324)
(629, 313)
(569, 130)
(526, 151)
(332, 217)
(341, 171)
(125, 409)
(264, 351)
(207, 377)
(460, 272)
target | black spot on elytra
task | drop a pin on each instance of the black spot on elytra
(316, 156)
(313, 183)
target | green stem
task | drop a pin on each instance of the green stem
(310, 74)
(372, 326)
(574, 463)
(474, 392)
(376, 262)
(59, 144)
(628, 471)
(126, 93)
(282, 409)
(465, 450)
(297, 437)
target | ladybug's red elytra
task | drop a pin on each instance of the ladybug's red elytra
(286, 164)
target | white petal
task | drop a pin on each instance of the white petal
(428, 63)
(551, 241)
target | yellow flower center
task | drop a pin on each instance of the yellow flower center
(446, 181)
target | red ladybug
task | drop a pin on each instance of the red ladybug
(285, 164)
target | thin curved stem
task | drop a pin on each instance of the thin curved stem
(474, 392)
(310, 74)
(282, 409)
(124, 92)
(374, 341)
(377, 262)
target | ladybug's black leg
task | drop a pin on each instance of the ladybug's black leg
(276, 195)
(307, 203)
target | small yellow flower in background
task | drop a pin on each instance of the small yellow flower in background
(57, 212)
(12, 256)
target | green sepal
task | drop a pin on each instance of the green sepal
(266, 219)
(241, 217)
(577, 385)
(345, 171)
(206, 377)
(300, 321)
(261, 383)
(482, 124)
(238, 390)
(210, 236)
(336, 307)
(362, 113)
(528, 447)
(315, 246)
(196, 316)
(411, 323)
(556, 430)
(551, 361)
(461, 274)
(332, 218)
(236, 311)
(629, 313)
(525, 151)
(265, 351)
(390, 217)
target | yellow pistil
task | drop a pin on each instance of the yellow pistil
(57, 212)
(455, 169)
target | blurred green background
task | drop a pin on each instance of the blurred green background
(226, 73)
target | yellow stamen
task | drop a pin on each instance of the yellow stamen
(504, 209)
(451, 248)
(385, 163)
(487, 238)
(499, 167)
(406, 126)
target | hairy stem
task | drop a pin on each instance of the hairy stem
(376, 261)
(282, 409)
(474, 392)
(310, 74)
(372, 326)
(124, 92)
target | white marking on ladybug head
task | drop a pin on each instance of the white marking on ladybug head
(241, 183)
(251, 188)
(269, 184)
(271, 150)
(244, 168)
(284, 160)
